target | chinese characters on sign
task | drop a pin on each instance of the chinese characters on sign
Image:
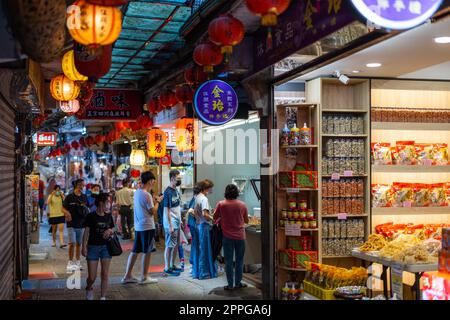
(216, 102)
(114, 105)
(397, 14)
(46, 139)
(170, 138)
(304, 23)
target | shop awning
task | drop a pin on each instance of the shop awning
(149, 38)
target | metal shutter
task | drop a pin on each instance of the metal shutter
(7, 198)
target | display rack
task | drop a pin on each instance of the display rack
(335, 98)
(305, 113)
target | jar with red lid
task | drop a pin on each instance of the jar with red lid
(310, 214)
(284, 214)
(305, 224)
(303, 215)
(303, 205)
(313, 224)
(289, 214)
(292, 204)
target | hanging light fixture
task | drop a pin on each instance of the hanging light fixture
(186, 134)
(70, 107)
(69, 69)
(64, 89)
(137, 158)
(156, 143)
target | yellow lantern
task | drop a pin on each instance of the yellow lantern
(187, 134)
(64, 89)
(69, 69)
(156, 143)
(137, 158)
(72, 106)
(94, 25)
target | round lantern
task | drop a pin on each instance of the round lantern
(93, 63)
(69, 69)
(71, 106)
(66, 148)
(99, 139)
(268, 10)
(113, 135)
(94, 25)
(184, 93)
(186, 134)
(160, 105)
(137, 158)
(82, 142)
(156, 143)
(168, 99)
(195, 75)
(208, 55)
(122, 126)
(113, 3)
(134, 126)
(75, 145)
(153, 105)
(89, 141)
(145, 122)
(135, 173)
(226, 31)
(64, 89)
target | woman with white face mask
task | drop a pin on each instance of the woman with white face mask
(56, 215)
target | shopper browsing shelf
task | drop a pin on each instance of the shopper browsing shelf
(124, 202)
(172, 223)
(75, 209)
(144, 239)
(232, 215)
(99, 228)
(56, 215)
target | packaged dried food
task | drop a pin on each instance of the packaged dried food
(325, 120)
(331, 233)
(406, 153)
(401, 193)
(440, 154)
(381, 196)
(437, 195)
(421, 195)
(424, 154)
(331, 122)
(348, 125)
(360, 188)
(305, 135)
(342, 207)
(381, 153)
(348, 206)
(325, 229)
(335, 206)
(329, 148)
(337, 229)
(325, 166)
(294, 138)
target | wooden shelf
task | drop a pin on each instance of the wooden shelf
(410, 211)
(302, 230)
(331, 135)
(408, 126)
(297, 105)
(296, 190)
(324, 216)
(291, 269)
(342, 177)
(337, 257)
(301, 146)
(345, 110)
(406, 168)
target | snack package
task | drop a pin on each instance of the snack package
(440, 154)
(447, 193)
(380, 195)
(437, 195)
(406, 153)
(401, 193)
(425, 154)
(421, 195)
(394, 155)
(381, 153)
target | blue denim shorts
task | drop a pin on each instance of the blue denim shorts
(95, 253)
(75, 235)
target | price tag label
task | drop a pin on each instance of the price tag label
(293, 230)
(292, 190)
(397, 280)
(427, 162)
(348, 173)
(335, 176)
(342, 216)
(407, 204)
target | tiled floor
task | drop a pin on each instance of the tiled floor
(50, 280)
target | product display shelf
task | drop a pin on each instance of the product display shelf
(308, 154)
(410, 211)
(352, 176)
(411, 168)
(331, 216)
(353, 99)
(406, 126)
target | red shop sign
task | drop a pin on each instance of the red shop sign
(165, 161)
(46, 139)
(114, 105)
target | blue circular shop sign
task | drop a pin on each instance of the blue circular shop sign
(216, 102)
(397, 14)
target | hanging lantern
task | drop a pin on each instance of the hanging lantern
(195, 75)
(94, 25)
(70, 107)
(137, 158)
(135, 126)
(156, 143)
(69, 69)
(226, 31)
(153, 105)
(93, 63)
(111, 3)
(113, 135)
(66, 148)
(184, 93)
(186, 134)
(89, 141)
(75, 145)
(99, 139)
(145, 122)
(160, 105)
(168, 99)
(268, 10)
(135, 173)
(208, 55)
(64, 89)
(82, 142)
(122, 126)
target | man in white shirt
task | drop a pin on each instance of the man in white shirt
(124, 201)
(144, 240)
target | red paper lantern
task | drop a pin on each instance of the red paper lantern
(226, 31)
(99, 139)
(86, 93)
(89, 141)
(168, 99)
(160, 106)
(134, 126)
(135, 173)
(145, 122)
(93, 63)
(82, 142)
(122, 125)
(75, 145)
(184, 93)
(153, 105)
(66, 148)
(268, 10)
(108, 3)
(187, 134)
(208, 55)
(195, 75)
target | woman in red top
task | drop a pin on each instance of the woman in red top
(233, 216)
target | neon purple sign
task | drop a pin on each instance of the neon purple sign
(397, 14)
(216, 102)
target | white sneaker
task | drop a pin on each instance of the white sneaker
(78, 265)
(103, 298)
(149, 280)
(71, 267)
(90, 294)
(131, 280)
